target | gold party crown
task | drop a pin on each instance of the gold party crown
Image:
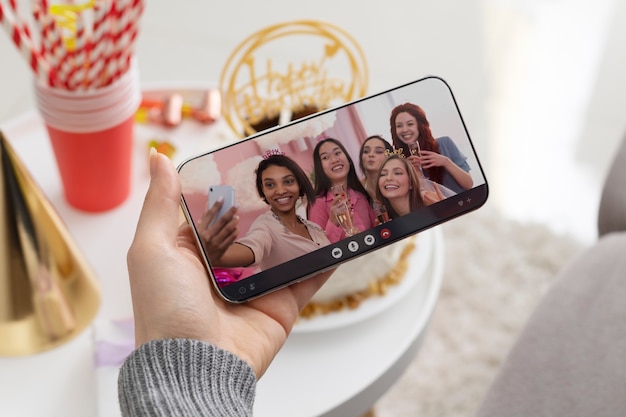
(398, 152)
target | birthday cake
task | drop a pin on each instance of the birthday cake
(353, 282)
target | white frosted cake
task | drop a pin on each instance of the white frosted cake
(368, 276)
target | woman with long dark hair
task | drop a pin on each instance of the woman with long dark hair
(374, 151)
(336, 180)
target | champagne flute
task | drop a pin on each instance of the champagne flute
(382, 215)
(339, 191)
(342, 213)
(414, 150)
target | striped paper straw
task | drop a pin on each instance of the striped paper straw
(52, 49)
(44, 48)
(121, 20)
(76, 77)
(20, 21)
(101, 76)
(25, 47)
(102, 46)
(101, 28)
(131, 30)
(56, 54)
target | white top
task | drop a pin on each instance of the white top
(272, 243)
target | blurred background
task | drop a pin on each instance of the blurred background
(539, 82)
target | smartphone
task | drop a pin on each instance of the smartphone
(349, 124)
(227, 193)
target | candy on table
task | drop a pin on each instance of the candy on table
(211, 107)
(162, 146)
(172, 109)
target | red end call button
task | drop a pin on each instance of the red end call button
(385, 233)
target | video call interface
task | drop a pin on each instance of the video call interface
(409, 197)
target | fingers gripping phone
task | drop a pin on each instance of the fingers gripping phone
(423, 111)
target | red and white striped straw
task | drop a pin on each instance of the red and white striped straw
(44, 48)
(79, 53)
(103, 51)
(52, 38)
(48, 47)
(59, 57)
(127, 14)
(131, 30)
(26, 48)
(98, 41)
(20, 20)
(100, 73)
(113, 53)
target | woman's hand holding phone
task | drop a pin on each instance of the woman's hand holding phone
(173, 297)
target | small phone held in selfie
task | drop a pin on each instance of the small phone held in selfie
(291, 223)
(224, 192)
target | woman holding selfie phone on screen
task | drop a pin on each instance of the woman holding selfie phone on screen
(276, 236)
(342, 205)
(439, 159)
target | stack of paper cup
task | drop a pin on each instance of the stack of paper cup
(92, 137)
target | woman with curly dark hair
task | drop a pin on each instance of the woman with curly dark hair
(277, 235)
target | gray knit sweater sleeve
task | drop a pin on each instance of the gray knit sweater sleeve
(182, 377)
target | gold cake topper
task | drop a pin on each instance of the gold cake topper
(327, 67)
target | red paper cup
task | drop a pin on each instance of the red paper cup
(92, 137)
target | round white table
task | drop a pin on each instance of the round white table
(343, 371)
(339, 371)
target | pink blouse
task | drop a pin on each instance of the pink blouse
(363, 214)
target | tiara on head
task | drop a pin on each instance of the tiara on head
(398, 152)
(272, 152)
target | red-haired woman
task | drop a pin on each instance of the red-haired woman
(439, 159)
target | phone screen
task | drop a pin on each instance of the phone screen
(351, 204)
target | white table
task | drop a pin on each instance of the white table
(342, 372)
(335, 372)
